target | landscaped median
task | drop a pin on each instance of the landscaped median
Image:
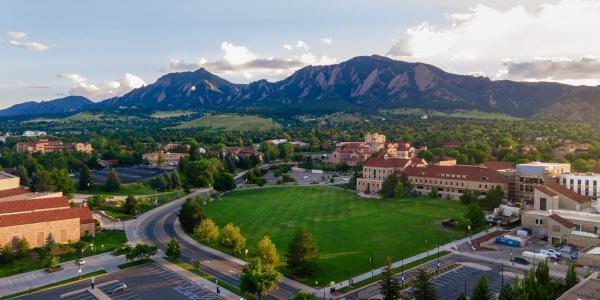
(56, 284)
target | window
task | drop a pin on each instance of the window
(539, 221)
(579, 227)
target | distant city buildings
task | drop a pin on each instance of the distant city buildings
(34, 216)
(47, 146)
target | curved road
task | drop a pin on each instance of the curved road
(158, 226)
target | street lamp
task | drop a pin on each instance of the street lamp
(371, 261)
(427, 246)
(402, 269)
(246, 252)
(438, 255)
(155, 197)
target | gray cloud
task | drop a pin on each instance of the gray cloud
(222, 65)
(553, 69)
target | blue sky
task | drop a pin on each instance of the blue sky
(50, 49)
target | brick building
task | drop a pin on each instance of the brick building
(377, 169)
(163, 158)
(34, 216)
(47, 146)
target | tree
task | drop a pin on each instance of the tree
(175, 180)
(258, 278)
(113, 183)
(399, 189)
(423, 286)
(207, 231)
(22, 248)
(302, 252)
(388, 187)
(22, 173)
(389, 286)
(131, 205)
(233, 239)
(433, 193)
(140, 251)
(224, 182)
(202, 173)
(482, 290)
(493, 198)
(62, 181)
(571, 278)
(85, 178)
(49, 245)
(6, 254)
(191, 214)
(467, 197)
(475, 215)
(267, 253)
(173, 251)
(53, 264)
(286, 150)
(508, 293)
(302, 295)
(42, 182)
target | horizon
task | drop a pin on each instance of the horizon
(109, 55)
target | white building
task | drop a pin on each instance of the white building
(533, 174)
(585, 184)
(33, 133)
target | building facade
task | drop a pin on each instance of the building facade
(530, 175)
(34, 216)
(585, 184)
(169, 159)
(377, 169)
(47, 146)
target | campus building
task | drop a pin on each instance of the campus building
(356, 153)
(34, 216)
(377, 169)
(585, 184)
(453, 180)
(163, 158)
(568, 148)
(47, 146)
(562, 215)
(530, 175)
(244, 152)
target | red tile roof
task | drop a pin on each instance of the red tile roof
(498, 165)
(393, 162)
(83, 214)
(555, 186)
(546, 191)
(472, 173)
(13, 192)
(32, 204)
(562, 221)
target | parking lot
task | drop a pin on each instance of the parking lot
(126, 174)
(309, 177)
(146, 282)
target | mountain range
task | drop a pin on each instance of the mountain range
(364, 83)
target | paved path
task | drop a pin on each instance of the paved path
(30, 280)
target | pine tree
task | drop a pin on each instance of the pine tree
(50, 242)
(423, 286)
(302, 252)
(113, 183)
(85, 178)
(23, 248)
(173, 251)
(131, 205)
(482, 290)
(571, 278)
(22, 173)
(389, 286)
(508, 293)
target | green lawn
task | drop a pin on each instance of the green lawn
(145, 204)
(348, 229)
(126, 189)
(231, 122)
(106, 241)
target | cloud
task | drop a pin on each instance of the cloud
(17, 34)
(28, 45)
(238, 62)
(555, 69)
(485, 36)
(108, 89)
(288, 47)
(302, 45)
(32, 86)
(326, 41)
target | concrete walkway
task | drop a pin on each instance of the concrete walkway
(446, 247)
(34, 279)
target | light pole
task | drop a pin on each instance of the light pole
(427, 246)
(155, 197)
(371, 261)
(402, 269)
(438, 255)
(246, 251)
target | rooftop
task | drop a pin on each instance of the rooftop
(465, 172)
(7, 207)
(83, 214)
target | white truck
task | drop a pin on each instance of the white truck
(535, 256)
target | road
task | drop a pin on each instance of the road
(158, 226)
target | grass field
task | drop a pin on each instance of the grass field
(348, 229)
(126, 189)
(171, 114)
(463, 114)
(230, 122)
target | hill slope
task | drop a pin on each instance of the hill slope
(63, 105)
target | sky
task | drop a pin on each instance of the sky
(103, 49)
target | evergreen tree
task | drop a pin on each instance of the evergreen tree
(399, 189)
(22, 173)
(302, 252)
(7, 254)
(62, 181)
(482, 290)
(42, 182)
(173, 251)
(571, 278)
(258, 278)
(22, 248)
(388, 187)
(85, 178)
(207, 231)
(389, 286)
(175, 180)
(50, 242)
(508, 293)
(113, 183)
(191, 214)
(433, 193)
(423, 286)
(131, 205)
(224, 182)
(267, 253)
(462, 296)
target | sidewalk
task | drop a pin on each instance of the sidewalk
(26, 281)
(446, 247)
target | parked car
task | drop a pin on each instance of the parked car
(449, 223)
(119, 287)
(551, 254)
(554, 251)
(520, 260)
(80, 262)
